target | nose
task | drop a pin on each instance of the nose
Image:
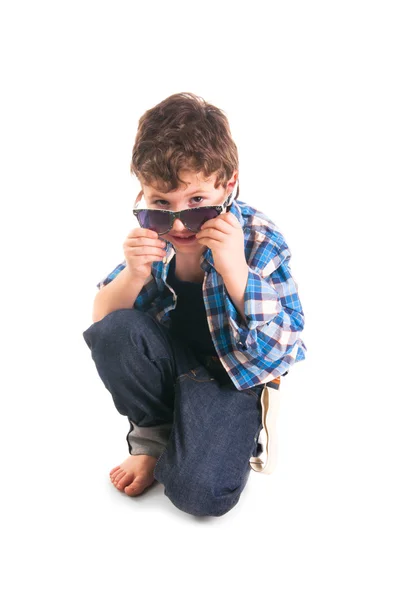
(178, 227)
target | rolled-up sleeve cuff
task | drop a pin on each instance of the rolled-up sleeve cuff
(261, 305)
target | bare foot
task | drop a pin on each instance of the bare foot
(134, 474)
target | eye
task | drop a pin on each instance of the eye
(166, 202)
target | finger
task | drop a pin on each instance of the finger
(207, 241)
(214, 234)
(141, 250)
(149, 258)
(231, 219)
(143, 232)
(144, 241)
(217, 223)
(144, 259)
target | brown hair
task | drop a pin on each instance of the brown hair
(183, 132)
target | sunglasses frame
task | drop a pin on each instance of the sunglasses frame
(180, 213)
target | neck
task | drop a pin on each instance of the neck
(188, 259)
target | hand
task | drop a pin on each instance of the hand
(141, 248)
(224, 236)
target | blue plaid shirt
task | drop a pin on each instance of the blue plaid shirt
(269, 344)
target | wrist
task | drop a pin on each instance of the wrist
(135, 277)
(237, 272)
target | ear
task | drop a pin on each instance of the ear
(231, 183)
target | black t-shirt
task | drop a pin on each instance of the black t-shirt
(188, 319)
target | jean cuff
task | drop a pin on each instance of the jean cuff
(150, 440)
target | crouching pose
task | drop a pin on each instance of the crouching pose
(200, 315)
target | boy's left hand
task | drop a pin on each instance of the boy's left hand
(224, 236)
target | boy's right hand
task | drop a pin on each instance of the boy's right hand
(141, 248)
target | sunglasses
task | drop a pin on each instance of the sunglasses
(162, 221)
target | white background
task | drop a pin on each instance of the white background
(310, 90)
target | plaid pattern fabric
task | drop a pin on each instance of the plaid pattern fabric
(265, 348)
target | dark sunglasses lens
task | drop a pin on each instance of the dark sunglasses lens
(154, 220)
(194, 219)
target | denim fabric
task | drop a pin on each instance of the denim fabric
(155, 379)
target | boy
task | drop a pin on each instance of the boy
(201, 314)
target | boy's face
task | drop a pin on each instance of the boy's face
(197, 192)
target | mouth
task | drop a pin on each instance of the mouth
(186, 239)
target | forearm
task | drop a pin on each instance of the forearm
(120, 293)
(235, 284)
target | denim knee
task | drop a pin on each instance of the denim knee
(115, 325)
(199, 497)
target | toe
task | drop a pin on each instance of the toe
(119, 476)
(114, 473)
(137, 487)
(114, 470)
(125, 480)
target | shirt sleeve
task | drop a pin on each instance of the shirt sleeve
(274, 315)
(111, 275)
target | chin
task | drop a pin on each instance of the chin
(189, 250)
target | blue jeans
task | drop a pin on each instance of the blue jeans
(153, 379)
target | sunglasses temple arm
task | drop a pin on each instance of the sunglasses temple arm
(138, 199)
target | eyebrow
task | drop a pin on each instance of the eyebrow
(152, 197)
